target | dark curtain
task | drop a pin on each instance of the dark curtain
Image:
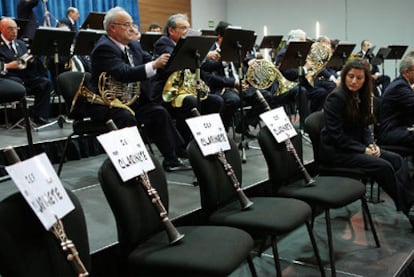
(57, 8)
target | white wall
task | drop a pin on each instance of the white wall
(384, 22)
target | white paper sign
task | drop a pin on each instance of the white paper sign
(42, 189)
(208, 131)
(279, 124)
(127, 152)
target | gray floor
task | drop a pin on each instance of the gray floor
(355, 251)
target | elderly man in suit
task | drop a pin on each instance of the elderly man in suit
(41, 87)
(72, 15)
(122, 59)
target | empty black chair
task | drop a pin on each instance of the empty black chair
(267, 217)
(326, 193)
(67, 84)
(145, 248)
(29, 250)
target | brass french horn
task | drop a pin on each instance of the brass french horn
(180, 84)
(113, 93)
(319, 55)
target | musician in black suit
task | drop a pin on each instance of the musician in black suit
(346, 139)
(176, 28)
(41, 87)
(72, 15)
(123, 59)
(379, 80)
(25, 11)
(397, 107)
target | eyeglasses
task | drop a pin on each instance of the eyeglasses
(13, 29)
(184, 28)
(126, 25)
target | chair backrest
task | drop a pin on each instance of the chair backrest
(136, 217)
(68, 83)
(313, 126)
(282, 166)
(216, 188)
(29, 250)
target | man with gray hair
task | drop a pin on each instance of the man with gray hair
(397, 107)
(72, 15)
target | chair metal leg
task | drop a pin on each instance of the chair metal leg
(330, 243)
(276, 256)
(315, 249)
(27, 125)
(371, 223)
(251, 266)
(65, 149)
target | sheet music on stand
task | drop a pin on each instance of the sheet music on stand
(235, 40)
(295, 54)
(341, 54)
(148, 39)
(188, 52)
(94, 20)
(85, 41)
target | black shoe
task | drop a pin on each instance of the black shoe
(177, 165)
(40, 121)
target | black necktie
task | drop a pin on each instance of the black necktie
(12, 48)
(129, 56)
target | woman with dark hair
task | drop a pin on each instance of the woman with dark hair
(346, 139)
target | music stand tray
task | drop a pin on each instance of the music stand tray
(341, 54)
(235, 40)
(381, 56)
(94, 20)
(148, 39)
(295, 54)
(208, 32)
(48, 41)
(188, 52)
(397, 52)
(270, 42)
(85, 41)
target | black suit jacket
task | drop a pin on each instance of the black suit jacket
(25, 11)
(396, 113)
(68, 23)
(7, 56)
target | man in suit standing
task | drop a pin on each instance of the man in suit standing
(72, 15)
(11, 49)
(122, 59)
(25, 11)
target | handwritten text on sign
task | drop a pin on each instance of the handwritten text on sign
(209, 133)
(279, 124)
(42, 189)
(127, 152)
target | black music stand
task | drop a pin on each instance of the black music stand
(208, 32)
(271, 42)
(22, 24)
(85, 41)
(234, 48)
(340, 55)
(187, 54)
(379, 60)
(147, 41)
(52, 42)
(370, 53)
(94, 20)
(396, 53)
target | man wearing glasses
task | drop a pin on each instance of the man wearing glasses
(26, 74)
(177, 27)
(121, 57)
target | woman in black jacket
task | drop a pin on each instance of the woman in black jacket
(346, 139)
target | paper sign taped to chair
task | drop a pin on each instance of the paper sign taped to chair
(279, 124)
(127, 152)
(209, 133)
(41, 187)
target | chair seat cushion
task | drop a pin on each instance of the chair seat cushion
(327, 191)
(204, 251)
(267, 215)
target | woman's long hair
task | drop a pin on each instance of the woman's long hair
(358, 112)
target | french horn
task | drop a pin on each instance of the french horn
(24, 60)
(318, 57)
(180, 84)
(113, 93)
(263, 73)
